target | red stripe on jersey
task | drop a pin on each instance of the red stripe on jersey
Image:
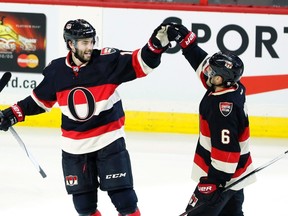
(99, 93)
(227, 157)
(204, 127)
(48, 104)
(96, 131)
(136, 65)
(240, 171)
(203, 79)
(201, 163)
(245, 135)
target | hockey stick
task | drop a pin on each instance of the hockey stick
(257, 170)
(3, 82)
(239, 180)
(28, 153)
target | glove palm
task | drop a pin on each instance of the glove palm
(159, 42)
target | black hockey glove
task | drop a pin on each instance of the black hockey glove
(180, 34)
(206, 192)
(10, 116)
(158, 42)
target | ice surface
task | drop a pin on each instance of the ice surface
(161, 166)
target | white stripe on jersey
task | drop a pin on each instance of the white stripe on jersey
(40, 104)
(90, 144)
(244, 147)
(205, 142)
(197, 172)
(251, 179)
(220, 165)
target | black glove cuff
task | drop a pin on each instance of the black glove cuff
(155, 46)
(152, 59)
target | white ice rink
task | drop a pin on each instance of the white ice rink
(161, 165)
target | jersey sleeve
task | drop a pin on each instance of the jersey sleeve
(198, 59)
(44, 95)
(30, 107)
(194, 55)
(123, 66)
(149, 58)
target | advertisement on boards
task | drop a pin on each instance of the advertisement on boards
(260, 40)
(22, 42)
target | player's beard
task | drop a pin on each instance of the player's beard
(80, 55)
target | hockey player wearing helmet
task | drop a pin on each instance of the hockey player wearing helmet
(84, 84)
(222, 154)
(224, 69)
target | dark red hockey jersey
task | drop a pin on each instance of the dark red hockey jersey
(92, 112)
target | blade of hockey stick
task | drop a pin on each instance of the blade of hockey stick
(239, 180)
(28, 153)
(4, 80)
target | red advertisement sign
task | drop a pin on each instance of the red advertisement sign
(22, 42)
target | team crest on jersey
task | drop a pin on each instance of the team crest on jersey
(107, 51)
(225, 108)
(71, 180)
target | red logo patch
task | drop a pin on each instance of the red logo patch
(71, 180)
(107, 51)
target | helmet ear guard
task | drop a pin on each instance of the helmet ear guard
(78, 29)
(227, 65)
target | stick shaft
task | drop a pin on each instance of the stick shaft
(28, 153)
(257, 170)
(4, 80)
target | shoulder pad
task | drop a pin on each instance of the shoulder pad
(107, 51)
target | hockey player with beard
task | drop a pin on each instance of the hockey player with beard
(84, 84)
(222, 155)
